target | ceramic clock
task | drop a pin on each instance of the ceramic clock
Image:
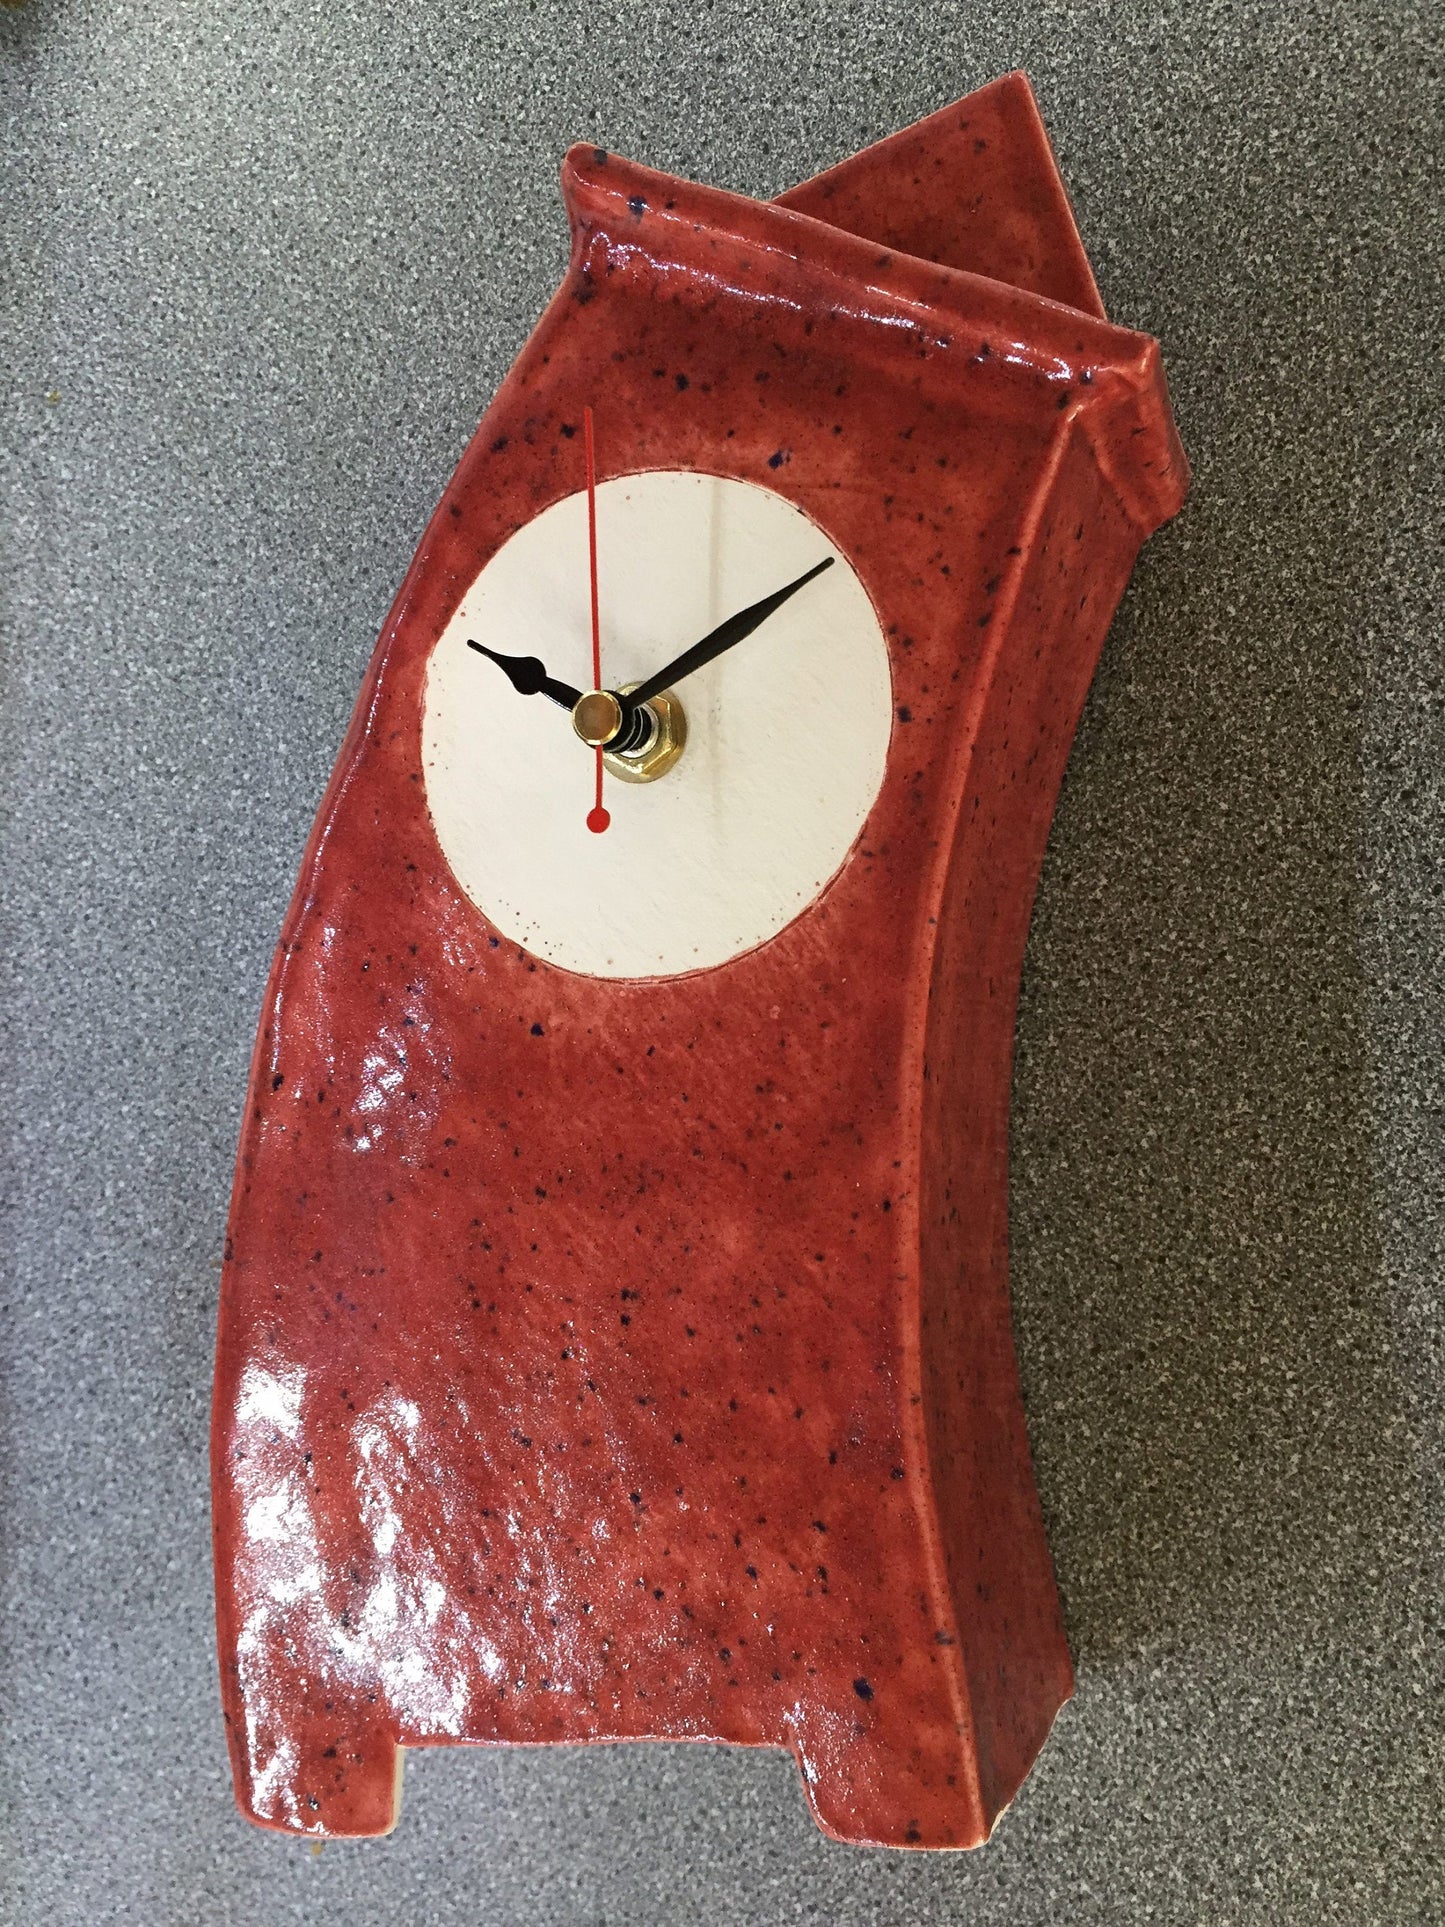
(614, 1336)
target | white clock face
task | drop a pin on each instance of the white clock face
(787, 733)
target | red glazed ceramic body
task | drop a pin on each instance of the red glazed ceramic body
(609, 1359)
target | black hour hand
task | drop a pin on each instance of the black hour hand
(528, 676)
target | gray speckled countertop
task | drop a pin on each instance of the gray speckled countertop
(263, 267)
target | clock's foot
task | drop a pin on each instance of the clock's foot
(337, 1781)
(884, 1798)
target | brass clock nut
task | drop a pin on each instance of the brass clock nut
(663, 747)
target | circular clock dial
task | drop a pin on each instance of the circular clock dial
(787, 733)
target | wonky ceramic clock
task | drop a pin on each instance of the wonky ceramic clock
(614, 1336)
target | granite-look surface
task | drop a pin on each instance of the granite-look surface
(263, 268)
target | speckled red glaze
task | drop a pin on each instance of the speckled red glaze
(973, 186)
(606, 1360)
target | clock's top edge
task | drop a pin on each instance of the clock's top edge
(683, 220)
(634, 226)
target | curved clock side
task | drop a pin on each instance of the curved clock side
(1078, 555)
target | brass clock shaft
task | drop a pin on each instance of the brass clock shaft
(600, 719)
(597, 717)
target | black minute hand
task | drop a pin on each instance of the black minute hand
(528, 676)
(735, 629)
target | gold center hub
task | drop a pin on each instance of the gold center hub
(597, 717)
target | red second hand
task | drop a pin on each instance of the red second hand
(597, 817)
